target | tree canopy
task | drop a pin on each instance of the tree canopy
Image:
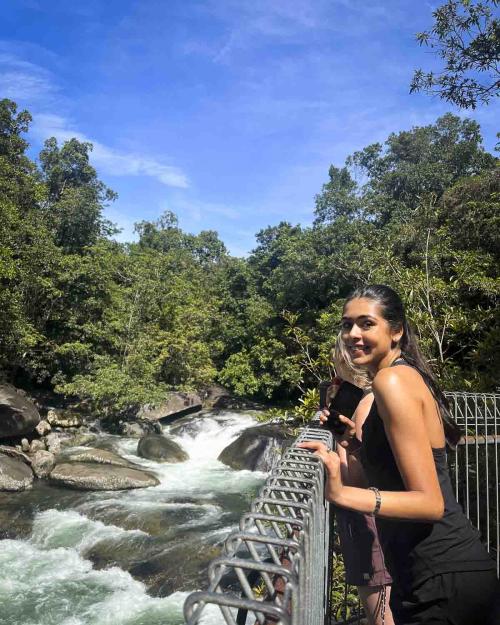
(114, 325)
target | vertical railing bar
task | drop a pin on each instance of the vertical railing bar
(487, 470)
(467, 508)
(476, 439)
(497, 490)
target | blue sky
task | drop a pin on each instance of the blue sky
(226, 112)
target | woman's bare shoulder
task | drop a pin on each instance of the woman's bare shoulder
(389, 375)
(400, 379)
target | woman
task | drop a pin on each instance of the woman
(361, 550)
(442, 574)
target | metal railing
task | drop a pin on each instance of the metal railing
(474, 465)
(276, 568)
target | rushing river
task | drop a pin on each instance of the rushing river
(124, 557)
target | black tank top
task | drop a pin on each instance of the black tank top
(415, 551)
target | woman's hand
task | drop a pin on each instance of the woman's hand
(344, 439)
(349, 433)
(323, 416)
(331, 462)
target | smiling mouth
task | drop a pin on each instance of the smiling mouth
(359, 348)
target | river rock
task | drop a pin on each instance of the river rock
(18, 415)
(15, 475)
(53, 442)
(37, 445)
(91, 476)
(43, 428)
(42, 463)
(63, 419)
(176, 405)
(216, 397)
(99, 456)
(178, 568)
(161, 449)
(80, 439)
(7, 450)
(137, 429)
(133, 430)
(257, 448)
(25, 445)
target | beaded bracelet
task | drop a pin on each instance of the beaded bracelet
(378, 500)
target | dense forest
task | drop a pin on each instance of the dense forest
(117, 325)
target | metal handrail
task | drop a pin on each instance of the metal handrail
(474, 464)
(280, 556)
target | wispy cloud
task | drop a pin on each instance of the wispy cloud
(196, 211)
(31, 83)
(253, 23)
(110, 160)
(22, 80)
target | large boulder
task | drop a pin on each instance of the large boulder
(15, 475)
(176, 405)
(18, 415)
(257, 448)
(161, 449)
(92, 476)
(99, 456)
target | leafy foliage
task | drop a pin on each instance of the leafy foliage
(466, 36)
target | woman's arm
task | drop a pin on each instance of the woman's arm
(398, 393)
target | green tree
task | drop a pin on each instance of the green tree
(75, 195)
(466, 37)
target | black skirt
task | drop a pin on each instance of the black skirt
(459, 598)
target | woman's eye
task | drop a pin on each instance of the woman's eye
(367, 324)
(345, 325)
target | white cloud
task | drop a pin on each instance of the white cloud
(109, 160)
(21, 80)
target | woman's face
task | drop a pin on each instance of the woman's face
(368, 337)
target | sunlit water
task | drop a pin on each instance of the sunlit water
(126, 557)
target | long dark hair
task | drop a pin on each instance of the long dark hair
(394, 313)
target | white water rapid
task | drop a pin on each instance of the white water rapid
(127, 557)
